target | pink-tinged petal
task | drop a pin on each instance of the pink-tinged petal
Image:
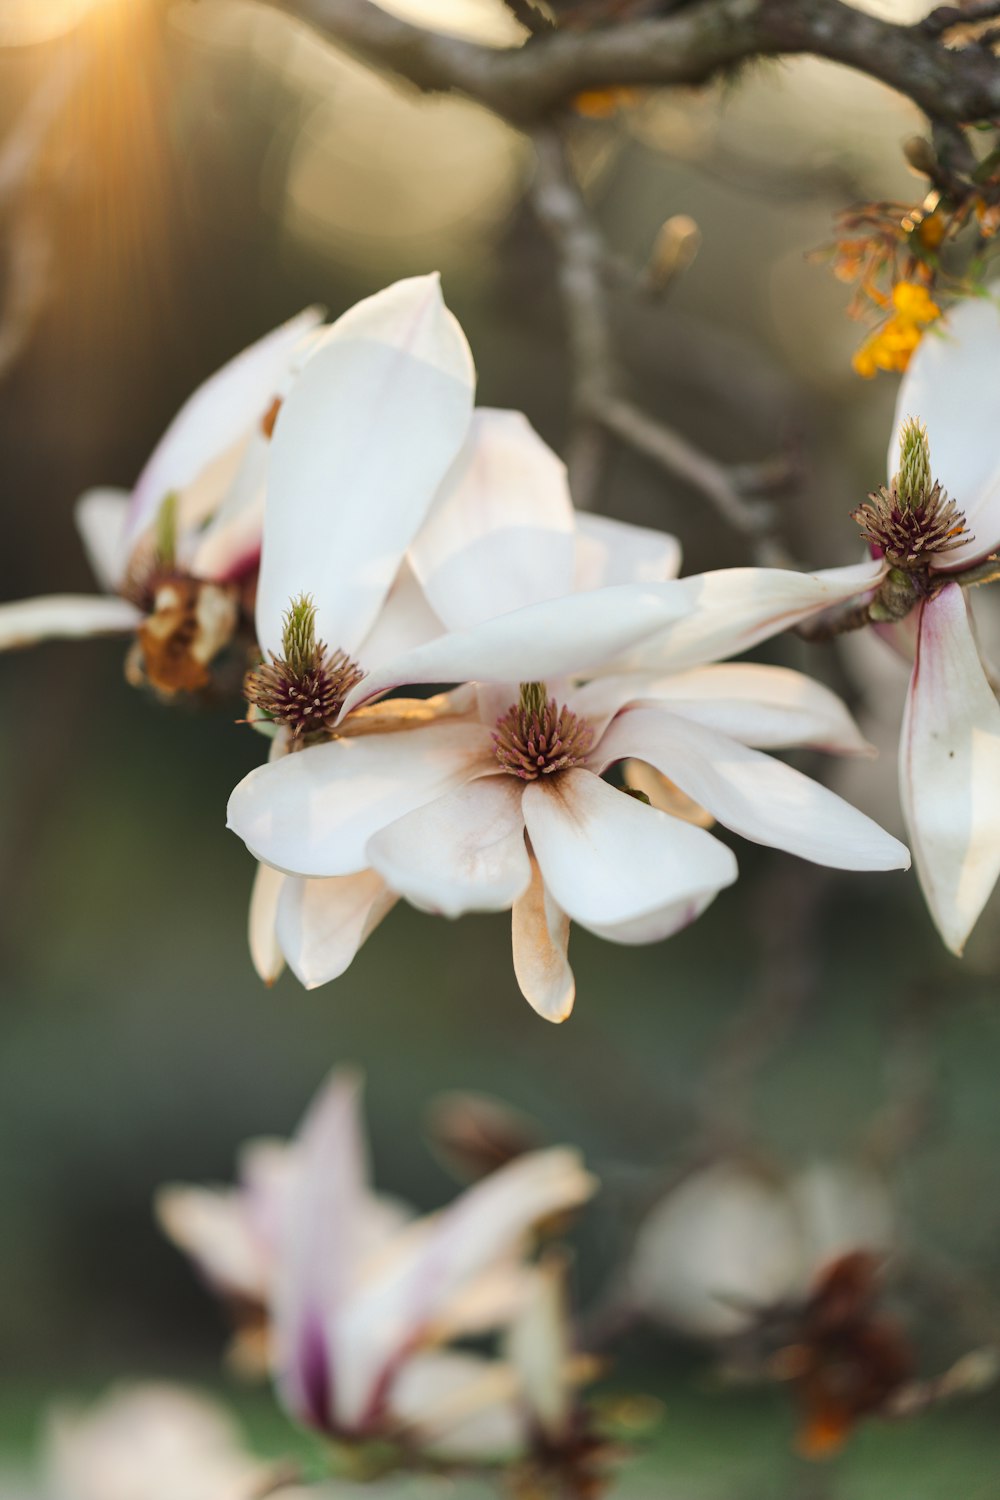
(444, 1254)
(321, 1247)
(229, 544)
(501, 532)
(213, 1228)
(265, 950)
(608, 859)
(953, 387)
(362, 441)
(609, 552)
(405, 620)
(463, 852)
(768, 707)
(732, 609)
(760, 798)
(219, 415)
(949, 769)
(313, 812)
(323, 923)
(557, 638)
(63, 617)
(540, 938)
(100, 517)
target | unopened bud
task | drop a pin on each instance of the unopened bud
(674, 248)
(913, 482)
(920, 155)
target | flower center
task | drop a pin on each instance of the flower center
(910, 535)
(535, 737)
(304, 688)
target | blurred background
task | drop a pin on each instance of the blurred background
(207, 169)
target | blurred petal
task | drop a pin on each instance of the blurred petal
(100, 517)
(760, 798)
(949, 769)
(229, 544)
(460, 1406)
(732, 609)
(212, 1227)
(64, 617)
(953, 387)
(609, 552)
(322, 1246)
(540, 937)
(500, 534)
(538, 1348)
(323, 923)
(361, 444)
(265, 952)
(608, 859)
(557, 638)
(768, 707)
(462, 852)
(313, 812)
(217, 417)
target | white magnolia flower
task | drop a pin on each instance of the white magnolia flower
(152, 1442)
(359, 1294)
(501, 532)
(732, 1240)
(172, 556)
(505, 805)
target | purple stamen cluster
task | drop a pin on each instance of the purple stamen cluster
(305, 699)
(530, 742)
(909, 535)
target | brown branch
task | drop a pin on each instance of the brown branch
(686, 47)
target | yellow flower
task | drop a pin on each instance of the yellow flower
(890, 347)
(914, 303)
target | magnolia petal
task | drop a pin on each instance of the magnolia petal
(952, 386)
(212, 1227)
(265, 949)
(463, 852)
(229, 544)
(767, 707)
(361, 443)
(760, 798)
(64, 617)
(322, 924)
(732, 609)
(608, 859)
(501, 533)
(556, 638)
(482, 1226)
(321, 1247)
(313, 812)
(539, 1349)
(405, 620)
(609, 552)
(100, 516)
(654, 926)
(217, 417)
(540, 938)
(949, 769)
(460, 1406)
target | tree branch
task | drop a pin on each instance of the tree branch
(689, 46)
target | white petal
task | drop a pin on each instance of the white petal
(949, 769)
(216, 417)
(265, 951)
(540, 937)
(361, 444)
(100, 517)
(608, 859)
(538, 1347)
(609, 551)
(501, 533)
(557, 638)
(768, 707)
(323, 923)
(56, 617)
(760, 798)
(953, 387)
(463, 852)
(460, 1406)
(405, 620)
(229, 545)
(321, 1245)
(313, 812)
(732, 609)
(213, 1228)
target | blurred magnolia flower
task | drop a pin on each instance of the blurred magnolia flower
(152, 1442)
(732, 1240)
(174, 557)
(358, 1294)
